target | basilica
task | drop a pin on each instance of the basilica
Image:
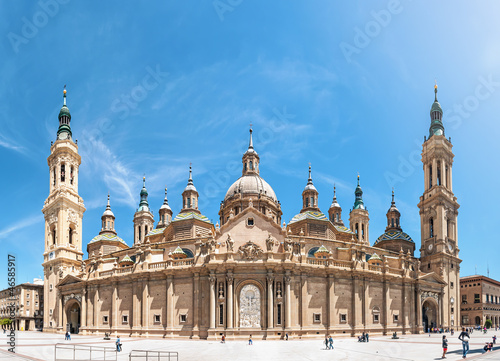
(251, 272)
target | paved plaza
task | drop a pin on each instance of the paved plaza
(40, 346)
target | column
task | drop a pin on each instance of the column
(270, 301)
(136, 310)
(434, 171)
(212, 301)
(450, 187)
(288, 303)
(443, 173)
(364, 303)
(96, 307)
(196, 302)
(145, 304)
(403, 307)
(303, 298)
(385, 311)
(114, 307)
(331, 301)
(60, 317)
(83, 316)
(441, 305)
(419, 308)
(230, 305)
(170, 303)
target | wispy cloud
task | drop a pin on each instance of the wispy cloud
(31, 221)
(11, 145)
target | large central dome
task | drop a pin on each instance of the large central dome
(251, 184)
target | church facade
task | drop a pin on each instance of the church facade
(251, 273)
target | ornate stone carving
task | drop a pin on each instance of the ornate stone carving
(230, 278)
(250, 251)
(250, 306)
(428, 294)
(52, 218)
(269, 243)
(229, 243)
(212, 280)
(72, 296)
(73, 217)
(288, 245)
(221, 290)
(278, 289)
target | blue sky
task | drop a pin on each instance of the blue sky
(152, 87)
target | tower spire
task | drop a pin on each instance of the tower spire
(309, 180)
(250, 144)
(64, 131)
(143, 204)
(436, 127)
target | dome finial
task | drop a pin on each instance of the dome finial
(392, 203)
(309, 180)
(108, 206)
(250, 144)
(358, 179)
(190, 180)
(64, 95)
(334, 191)
(435, 90)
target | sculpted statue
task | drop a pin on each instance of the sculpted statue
(288, 245)
(269, 243)
(250, 251)
(229, 243)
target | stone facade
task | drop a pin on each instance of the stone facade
(250, 273)
(479, 301)
(27, 299)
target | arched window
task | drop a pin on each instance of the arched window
(431, 227)
(251, 165)
(140, 238)
(189, 202)
(62, 173)
(54, 235)
(54, 176)
(312, 251)
(392, 222)
(338, 217)
(430, 176)
(70, 235)
(307, 201)
(439, 176)
(245, 166)
(71, 175)
(188, 252)
(107, 225)
(363, 231)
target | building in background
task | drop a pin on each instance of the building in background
(251, 273)
(28, 302)
(480, 300)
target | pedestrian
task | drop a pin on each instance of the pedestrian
(223, 339)
(286, 336)
(118, 344)
(330, 341)
(494, 339)
(464, 337)
(367, 337)
(445, 346)
(250, 342)
(326, 343)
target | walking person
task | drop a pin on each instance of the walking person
(286, 336)
(445, 346)
(250, 342)
(367, 337)
(330, 341)
(118, 344)
(326, 343)
(464, 337)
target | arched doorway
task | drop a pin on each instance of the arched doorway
(250, 306)
(73, 316)
(478, 321)
(429, 314)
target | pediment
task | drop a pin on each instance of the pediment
(241, 232)
(69, 279)
(432, 278)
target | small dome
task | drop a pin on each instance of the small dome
(108, 212)
(436, 107)
(251, 184)
(394, 235)
(310, 187)
(64, 111)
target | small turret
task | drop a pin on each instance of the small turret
(165, 213)
(143, 217)
(190, 196)
(108, 220)
(310, 196)
(335, 211)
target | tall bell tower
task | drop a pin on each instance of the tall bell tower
(63, 212)
(438, 217)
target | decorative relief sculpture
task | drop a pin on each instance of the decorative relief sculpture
(278, 289)
(269, 243)
(250, 306)
(221, 290)
(288, 245)
(72, 296)
(229, 243)
(250, 251)
(427, 294)
(72, 217)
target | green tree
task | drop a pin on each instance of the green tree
(488, 323)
